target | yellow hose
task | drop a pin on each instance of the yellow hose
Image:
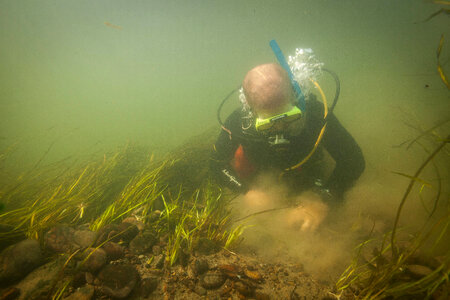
(322, 131)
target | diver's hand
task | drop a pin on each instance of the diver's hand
(309, 214)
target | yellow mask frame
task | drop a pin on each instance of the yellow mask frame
(287, 117)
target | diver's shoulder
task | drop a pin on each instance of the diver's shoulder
(313, 106)
(234, 117)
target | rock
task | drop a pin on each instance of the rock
(418, 271)
(230, 270)
(243, 289)
(89, 278)
(106, 232)
(254, 275)
(134, 221)
(18, 260)
(84, 226)
(226, 289)
(212, 280)
(124, 232)
(154, 216)
(200, 266)
(156, 250)
(113, 251)
(38, 283)
(190, 272)
(262, 296)
(127, 231)
(83, 293)
(200, 291)
(148, 285)
(79, 280)
(84, 238)
(59, 239)
(118, 281)
(143, 243)
(10, 293)
(158, 261)
(197, 267)
(96, 259)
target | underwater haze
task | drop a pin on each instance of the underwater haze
(80, 79)
(86, 76)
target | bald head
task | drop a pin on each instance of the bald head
(268, 89)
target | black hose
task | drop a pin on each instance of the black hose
(223, 102)
(338, 90)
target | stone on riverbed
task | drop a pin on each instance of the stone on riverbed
(118, 281)
(18, 260)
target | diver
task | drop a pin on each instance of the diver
(275, 132)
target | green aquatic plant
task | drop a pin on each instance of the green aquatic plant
(202, 216)
(384, 276)
(444, 9)
(140, 193)
(172, 195)
(43, 197)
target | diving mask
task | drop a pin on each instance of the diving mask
(287, 117)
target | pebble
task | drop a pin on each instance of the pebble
(226, 288)
(200, 291)
(142, 243)
(418, 271)
(212, 280)
(83, 293)
(261, 296)
(10, 293)
(156, 250)
(127, 231)
(158, 261)
(113, 251)
(243, 289)
(254, 275)
(148, 285)
(200, 266)
(117, 281)
(134, 221)
(89, 278)
(59, 239)
(84, 238)
(96, 260)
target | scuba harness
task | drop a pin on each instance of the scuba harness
(292, 115)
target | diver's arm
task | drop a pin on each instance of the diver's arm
(222, 155)
(347, 154)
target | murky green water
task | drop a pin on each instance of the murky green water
(85, 76)
(95, 74)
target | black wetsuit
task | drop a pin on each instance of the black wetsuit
(337, 141)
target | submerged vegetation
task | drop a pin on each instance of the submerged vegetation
(108, 189)
(417, 267)
(174, 197)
